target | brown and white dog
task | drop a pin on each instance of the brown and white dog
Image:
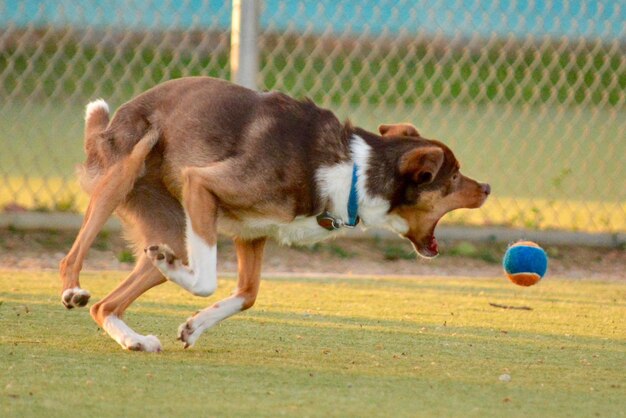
(196, 156)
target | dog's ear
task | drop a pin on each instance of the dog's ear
(398, 129)
(421, 164)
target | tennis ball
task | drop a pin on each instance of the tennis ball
(525, 263)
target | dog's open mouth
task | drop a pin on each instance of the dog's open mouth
(432, 248)
(427, 247)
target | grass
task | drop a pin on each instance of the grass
(324, 347)
(393, 252)
(485, 253)
(126, 256)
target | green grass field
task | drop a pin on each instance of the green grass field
(324, 347)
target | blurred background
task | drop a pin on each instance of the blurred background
(530, 94)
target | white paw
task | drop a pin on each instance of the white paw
(75, 297)
(188, 333)
(163, 258)
(129, 339)
(191, 330)
(147, 343)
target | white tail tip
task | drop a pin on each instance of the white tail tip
(96, 105)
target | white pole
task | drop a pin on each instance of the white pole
(244, 54)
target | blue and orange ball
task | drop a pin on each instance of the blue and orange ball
(525, 263)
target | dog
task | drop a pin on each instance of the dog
(197, 156)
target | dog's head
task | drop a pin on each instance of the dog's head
(428, 184)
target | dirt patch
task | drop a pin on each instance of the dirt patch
(38, 250)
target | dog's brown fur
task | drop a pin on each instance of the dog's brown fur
(221, 151)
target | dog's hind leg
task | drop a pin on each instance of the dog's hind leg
(249, 258)
(108, 311)
(111, 189)
(149, 214)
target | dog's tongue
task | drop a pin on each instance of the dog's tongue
(429, 248)
(433, 246)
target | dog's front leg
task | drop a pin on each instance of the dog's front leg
(199, 276)
(249, 258)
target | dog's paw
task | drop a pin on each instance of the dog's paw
(188, 333)
(129, 339)
(162, 257)
(75, 297)
(147, 343)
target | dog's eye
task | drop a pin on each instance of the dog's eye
(455, 176)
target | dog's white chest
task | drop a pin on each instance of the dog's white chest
(302, 230)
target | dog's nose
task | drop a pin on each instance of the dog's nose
(486, 188)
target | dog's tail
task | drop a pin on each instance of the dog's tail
(96, 121)
(103, 152)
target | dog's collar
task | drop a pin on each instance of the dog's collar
(327, 221)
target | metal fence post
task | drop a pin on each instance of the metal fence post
(244, 56)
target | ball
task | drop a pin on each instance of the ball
(525, 263)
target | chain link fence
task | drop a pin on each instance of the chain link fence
(530, 95)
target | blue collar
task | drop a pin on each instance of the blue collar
(327, 221)
(353, 200)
